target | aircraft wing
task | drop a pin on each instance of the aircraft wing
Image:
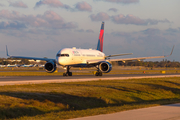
(126, 59)
(118, 55)
(31, 58)
(138, 58)
(122, 59)
(95, 61)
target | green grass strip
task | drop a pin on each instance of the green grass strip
(91, 72)
(78, 99)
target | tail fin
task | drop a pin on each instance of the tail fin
(7, 51)
(101, 37)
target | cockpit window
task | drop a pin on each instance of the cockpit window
(62, 55)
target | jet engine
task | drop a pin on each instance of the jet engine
(105, 67)
(50, 67)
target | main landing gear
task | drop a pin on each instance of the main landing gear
(67, 73)
(98, 72)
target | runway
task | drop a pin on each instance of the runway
(76, 78)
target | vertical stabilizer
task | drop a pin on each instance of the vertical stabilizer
(101, 37)
(7, 51)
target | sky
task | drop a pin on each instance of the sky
(40, 28)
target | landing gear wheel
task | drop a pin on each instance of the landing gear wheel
(98, 73)
(67, 73)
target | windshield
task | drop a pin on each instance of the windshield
(62, 55)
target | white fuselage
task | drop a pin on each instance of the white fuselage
(73, 56)
(11, 65)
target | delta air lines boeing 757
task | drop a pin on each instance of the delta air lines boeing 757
(72, 57)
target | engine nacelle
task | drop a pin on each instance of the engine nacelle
(105, 67)
(50, 67)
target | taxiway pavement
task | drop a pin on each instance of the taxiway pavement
(164, 112)
(76, 78)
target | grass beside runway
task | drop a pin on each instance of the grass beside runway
(77, 99)
(29, 74)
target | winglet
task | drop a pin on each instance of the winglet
(7, 51)
(171, 52)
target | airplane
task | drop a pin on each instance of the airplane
(2, 65)
(73, 57)
(31, 65)
(12, 65)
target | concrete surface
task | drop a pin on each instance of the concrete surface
(59, 79)
(164, 112)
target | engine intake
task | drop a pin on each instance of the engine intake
(105, 67)
(50, 67)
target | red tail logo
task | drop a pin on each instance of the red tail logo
(101, 38)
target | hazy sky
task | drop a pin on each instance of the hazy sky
(40, 28)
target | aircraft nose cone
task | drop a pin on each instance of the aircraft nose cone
(60, 61)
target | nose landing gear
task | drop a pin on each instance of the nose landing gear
(98, 72)
(67, 73)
